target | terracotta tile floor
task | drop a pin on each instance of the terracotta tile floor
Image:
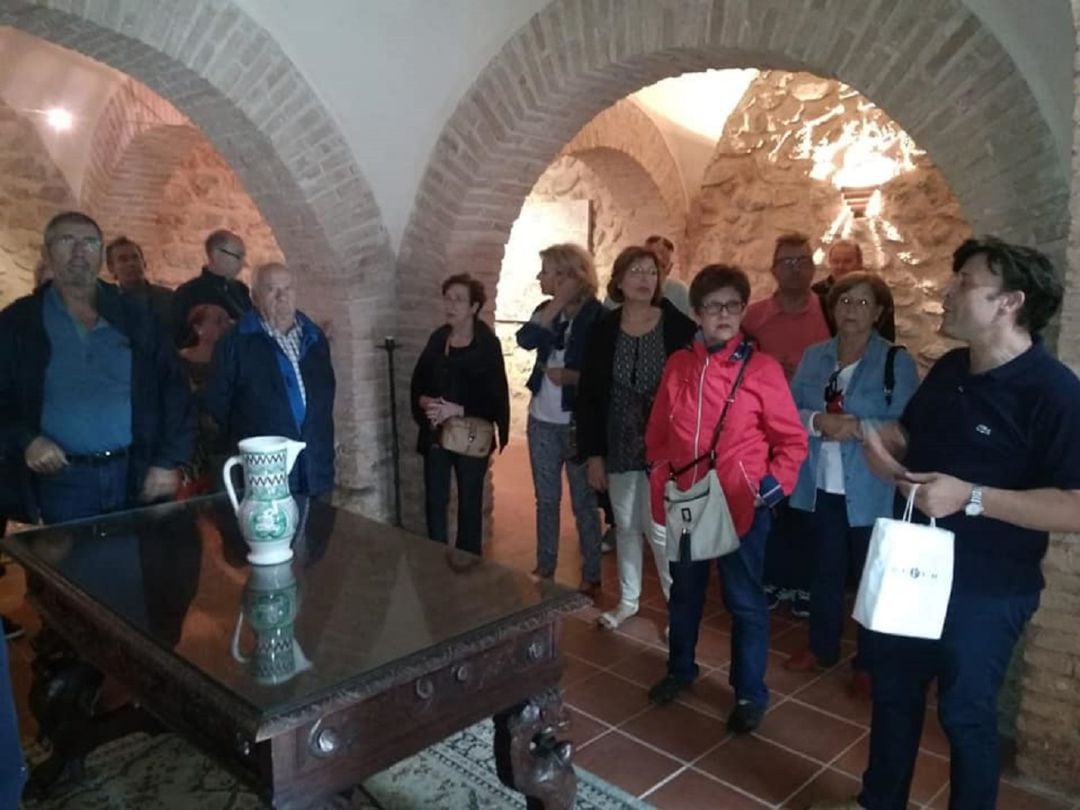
(811, 745)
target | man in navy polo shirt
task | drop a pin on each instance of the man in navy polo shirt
(992, 437)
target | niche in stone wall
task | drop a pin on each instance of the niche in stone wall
(598, 198)
(32, 189)
(803, 153)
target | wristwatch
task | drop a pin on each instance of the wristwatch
(974, 506)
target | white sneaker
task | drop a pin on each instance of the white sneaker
(613, 618)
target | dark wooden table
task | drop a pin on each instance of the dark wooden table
(397, 643)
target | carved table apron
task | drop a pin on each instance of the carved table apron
(495, 658)
(296, 760)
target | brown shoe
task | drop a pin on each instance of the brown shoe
(803, 661)
(590, 589)
(861, 686)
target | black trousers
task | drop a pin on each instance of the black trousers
(438, 464)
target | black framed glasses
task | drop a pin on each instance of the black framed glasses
(238, 256)
(723, 307)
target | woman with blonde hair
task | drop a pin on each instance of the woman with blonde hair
(557, 331)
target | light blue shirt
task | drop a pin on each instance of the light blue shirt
(87, 403)
(867, 496)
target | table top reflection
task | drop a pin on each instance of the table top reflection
(357, 599)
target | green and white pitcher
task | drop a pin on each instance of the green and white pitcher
(268, 514)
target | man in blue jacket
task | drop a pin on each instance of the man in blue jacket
(272, 376)
(95, 413)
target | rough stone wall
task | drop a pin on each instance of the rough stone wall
(203, 195)
(32, 189)
(625, 207)
(772, 173)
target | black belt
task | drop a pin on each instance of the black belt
(97, 459)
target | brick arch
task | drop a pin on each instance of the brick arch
(226, 74)
(127, 199)
(626, 128)
(138, 141)
(932, 66)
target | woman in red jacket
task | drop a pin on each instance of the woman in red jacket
(757, 460)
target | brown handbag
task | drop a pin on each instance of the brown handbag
(467, 435)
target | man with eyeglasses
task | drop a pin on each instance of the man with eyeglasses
(217, 284)
(844, 257)
(92, 398)
(789, 320)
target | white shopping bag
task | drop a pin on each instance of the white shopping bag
(907, 579)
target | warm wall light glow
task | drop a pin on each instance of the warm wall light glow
(698, 102)
(59, 119)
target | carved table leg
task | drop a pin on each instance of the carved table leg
(63, 698)
(530, 759)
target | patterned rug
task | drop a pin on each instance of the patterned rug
(164, 772)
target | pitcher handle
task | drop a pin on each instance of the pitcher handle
(239, 656)
(226, 473)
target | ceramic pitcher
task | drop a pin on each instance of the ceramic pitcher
(270, 607)
(268, 514)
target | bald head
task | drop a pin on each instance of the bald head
(845, 256)
(274, 295)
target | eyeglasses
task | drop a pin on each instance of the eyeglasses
(793, 263)
(723, 307)
(834, 397)
(848, 301)
(238, 256)
(91, 244)
(642, 270)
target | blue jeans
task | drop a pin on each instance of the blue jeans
(969, 663)
(549, 449)
(83, 490)
(470, 472)
(837, 546)
(744, 598)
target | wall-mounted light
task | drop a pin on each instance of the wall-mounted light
(59, 119)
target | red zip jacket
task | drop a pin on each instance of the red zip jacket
(762, 436)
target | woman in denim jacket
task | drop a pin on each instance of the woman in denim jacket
(839, 384)
(558, 331)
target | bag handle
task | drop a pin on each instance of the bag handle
(909, 508)
(711, 455)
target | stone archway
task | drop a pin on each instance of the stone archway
(932, 66)
(234, 82)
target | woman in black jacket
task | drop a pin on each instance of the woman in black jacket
(624, 360)
(459, 373)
